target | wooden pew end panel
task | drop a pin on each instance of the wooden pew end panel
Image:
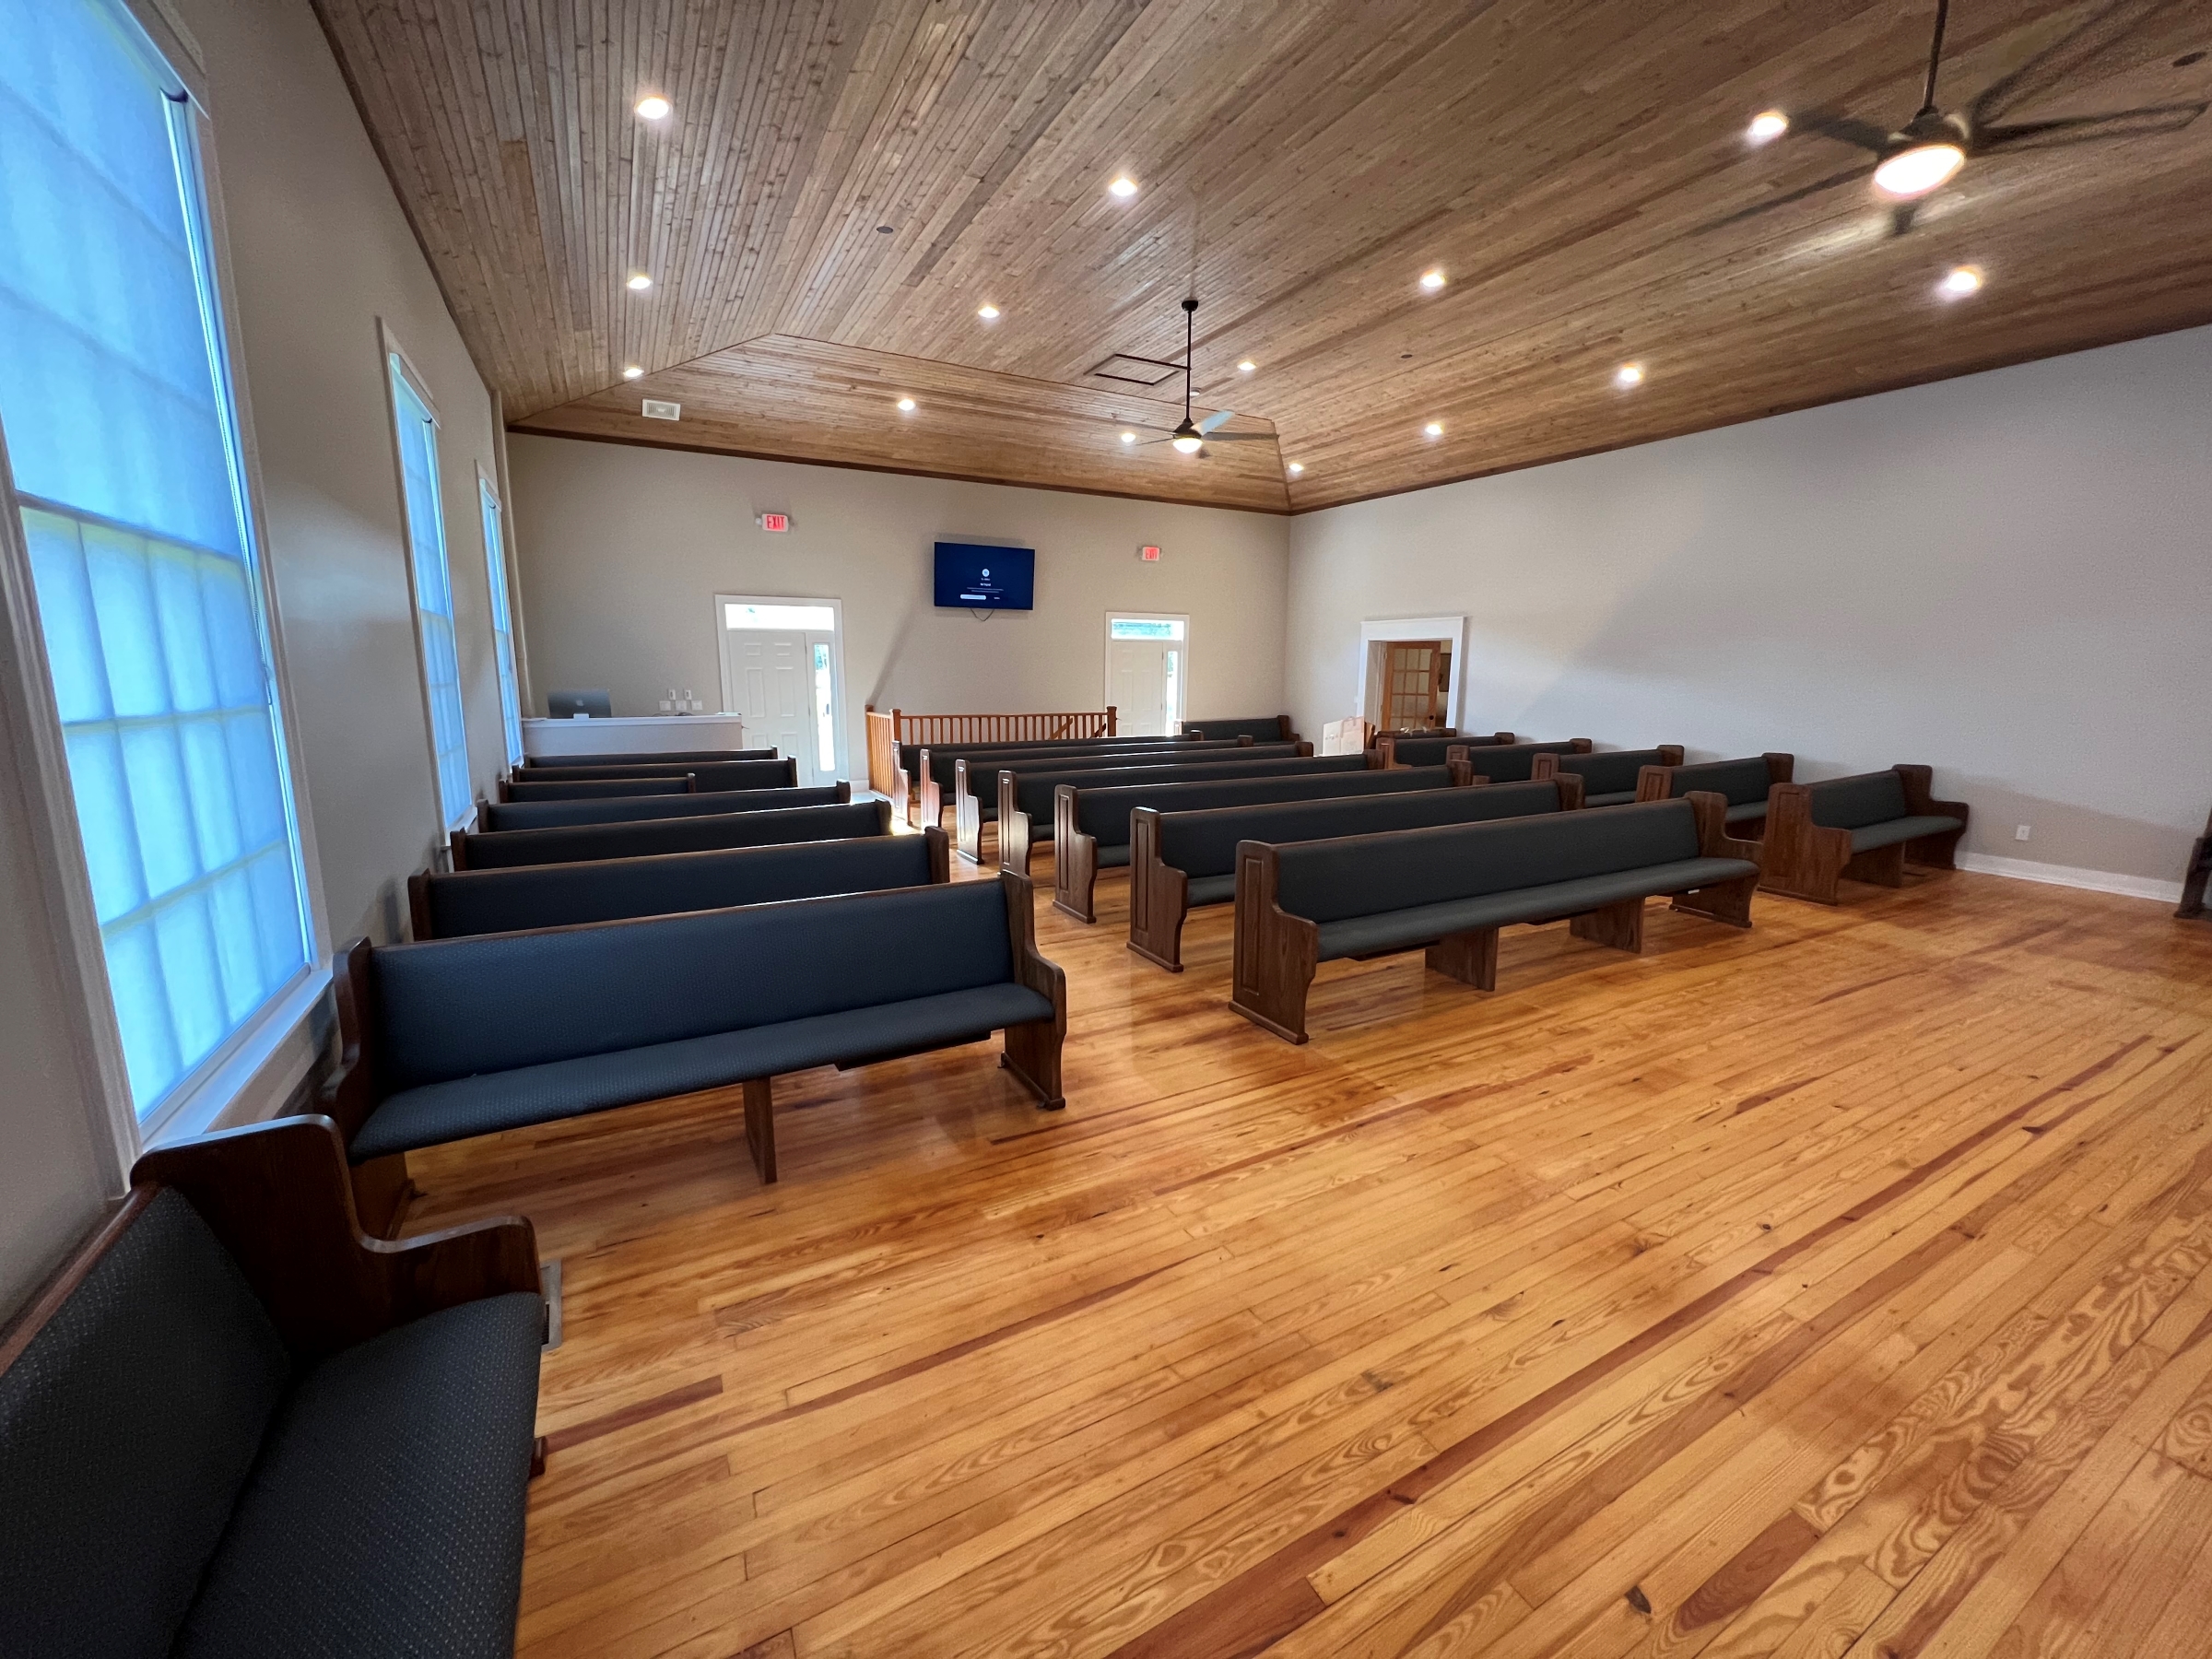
(1033, 1050)
(1275, 953)
(1075, 860)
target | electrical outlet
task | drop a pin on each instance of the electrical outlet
(2020, 834)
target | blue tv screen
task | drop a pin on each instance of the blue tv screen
(977, 578)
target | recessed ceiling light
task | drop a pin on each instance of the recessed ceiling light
(1629, 374)
(1915, 172)
(639, 282)
(988, 312)
(883, 230)
(1246, 367)
(1962, 281)
(1432, 280)
(1435, 429)
(906, 405)
(1124, 186)
(1767, 125)
(1296, 467)
(1128, 437)
(653, 107)
(632, 373)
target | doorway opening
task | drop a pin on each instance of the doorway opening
(1148, 665)
(783, 676)
(1410, 673)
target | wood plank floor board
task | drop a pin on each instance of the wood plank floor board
(1846, 1281)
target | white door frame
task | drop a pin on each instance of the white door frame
(1454, 629)
(837, 662)
(1182, 682)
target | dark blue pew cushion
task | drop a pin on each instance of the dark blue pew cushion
(1856, 801)
(507, 849)
(463, 1007)
(1372, 875)
(1608, 776)
(1399, 930)
(127, 1429)
(594, 789)
(1034, 791)
(633, 809)
(1869, 836)
(437, 1113)
(1102, 813)
(1203, 845)
(987, 759)
(1741, 783)
(563, 895)
(1260, 728)
(385, 1515)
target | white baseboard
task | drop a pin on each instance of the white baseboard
(2096, 881)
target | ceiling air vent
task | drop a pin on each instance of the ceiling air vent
(1131, 370)
(655, 409)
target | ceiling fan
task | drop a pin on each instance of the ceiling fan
(1189, 436)
(1929, 149)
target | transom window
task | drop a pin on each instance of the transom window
(1143, 627)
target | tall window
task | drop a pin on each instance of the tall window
(417, 429)
(502, 625)
(116, 406)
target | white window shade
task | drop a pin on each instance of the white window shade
(117, 413)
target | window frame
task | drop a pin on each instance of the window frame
(498, 575)
(261, 1062)
(418, 383)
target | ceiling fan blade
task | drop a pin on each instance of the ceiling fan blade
(1843, 129)
(1239, 437)
(2088, 129)
(1783, 201)
(1219, 418)
(2065, 55)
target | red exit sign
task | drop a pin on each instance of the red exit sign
(1149, 555)
(778, 522)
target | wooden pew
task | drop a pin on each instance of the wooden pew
(1448, 890)
(1025, 797)
(189, 1413)
(1500, 762)
(1091, 825)
(1263, 728)
(1609, 777)
(1742, 783)
(592, 789)
(450, 1039)
(1179, 861)
(1431, 749)
(639, 766)
(938, 769)
(457, 904)
(507, 849)
(1858, 828)
(547, 814)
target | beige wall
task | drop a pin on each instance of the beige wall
(2008, 576)
(319, 252)
(622, 550)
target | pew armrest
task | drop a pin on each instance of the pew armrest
(279, 1197)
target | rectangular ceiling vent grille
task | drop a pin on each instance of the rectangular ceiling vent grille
(1131, 370)
(655, 409)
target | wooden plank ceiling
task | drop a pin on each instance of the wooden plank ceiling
(844, 183)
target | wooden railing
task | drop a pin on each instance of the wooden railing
(898, 727)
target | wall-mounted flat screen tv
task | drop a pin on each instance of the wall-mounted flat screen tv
(976, 578)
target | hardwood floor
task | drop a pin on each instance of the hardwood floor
(1841, 1287)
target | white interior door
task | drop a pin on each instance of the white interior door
(1146, 668)
(780, 681)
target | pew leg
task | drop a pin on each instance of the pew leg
(537, 1457)
(1032, 1055)
(381, 1193)
(761, 1126)
(1729, 902)
(1935, 852)
(1885, 866)
(1618, 926)
(1469, 957)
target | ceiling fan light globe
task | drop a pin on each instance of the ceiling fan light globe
(1188, 444)
(1916, 171)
